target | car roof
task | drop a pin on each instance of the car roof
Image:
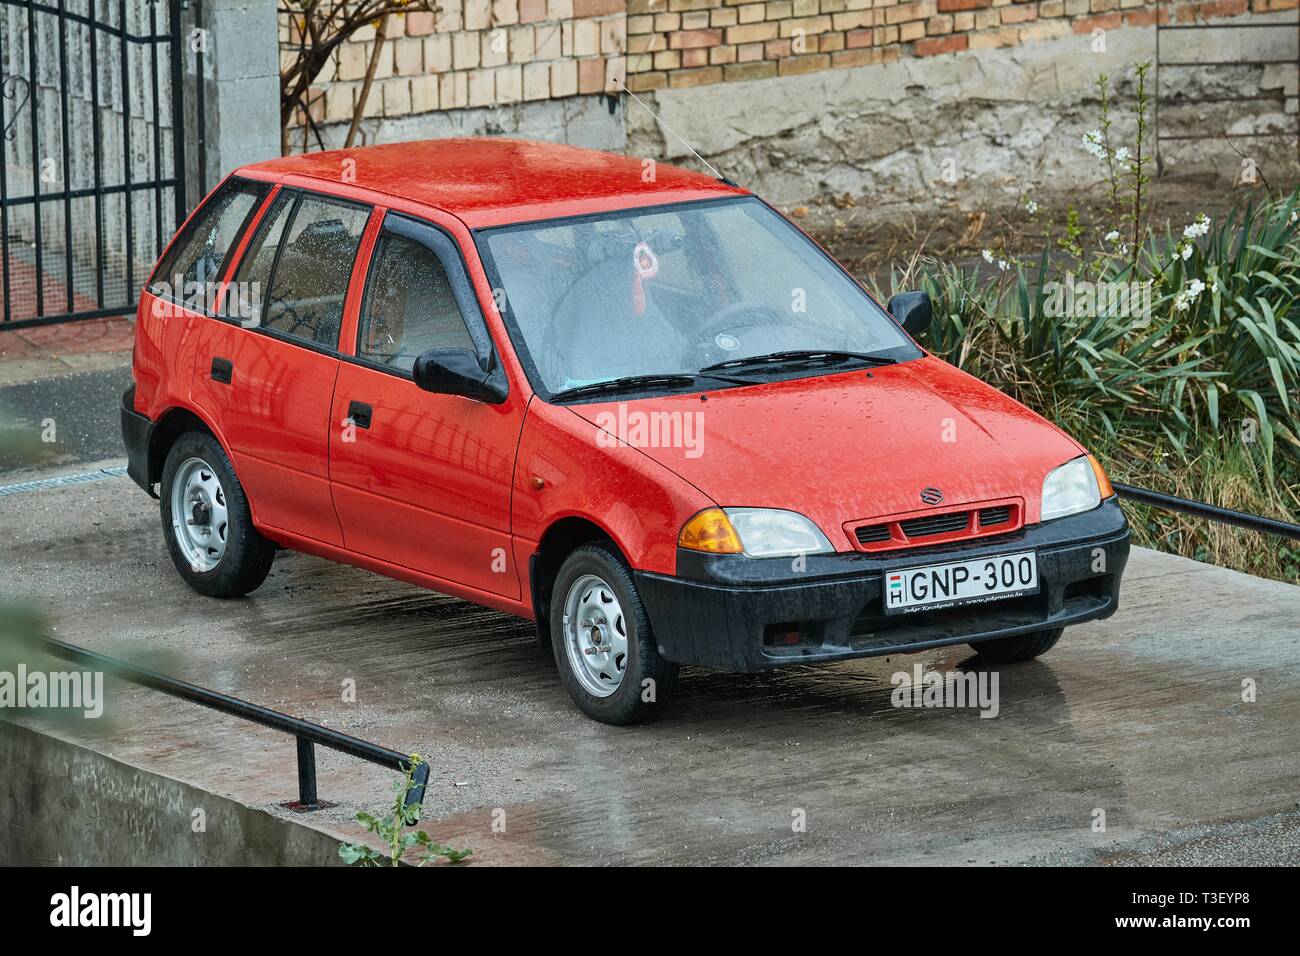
(489, 181)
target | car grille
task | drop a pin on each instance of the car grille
(992, 516)
(935, 524)
(870, 533)
(884, 535)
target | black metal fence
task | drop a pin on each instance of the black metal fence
(308, 734)
(93, 135)
(1199, 509)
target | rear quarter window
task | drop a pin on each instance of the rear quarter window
(191, 268)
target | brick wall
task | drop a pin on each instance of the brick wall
(491, 53)
(475, 53)
(682, 43)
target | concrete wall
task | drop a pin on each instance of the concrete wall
(62, 804)
(242, 76)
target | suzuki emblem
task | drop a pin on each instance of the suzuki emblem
(931, 496)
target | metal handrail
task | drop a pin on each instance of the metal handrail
(306, 733)
(1199, 509)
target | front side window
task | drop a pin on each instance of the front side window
(669, 291)
(191, 268)
(298, 267)
(409, 306)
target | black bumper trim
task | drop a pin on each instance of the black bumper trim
(719, 615)
(137, 436)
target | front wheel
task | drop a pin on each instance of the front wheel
(207, 522)
(1022, 647)
(601, 637)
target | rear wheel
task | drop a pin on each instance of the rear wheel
(207, 522)
(602, 642)
(1022, 647)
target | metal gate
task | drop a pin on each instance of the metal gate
(92, 183)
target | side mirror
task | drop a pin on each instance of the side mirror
(913, 311)
(457, 372)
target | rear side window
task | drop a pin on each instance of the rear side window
(190, 269)
(409, 306)
(298, 267)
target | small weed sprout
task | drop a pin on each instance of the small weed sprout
(394, 831)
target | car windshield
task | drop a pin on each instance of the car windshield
(669, 291)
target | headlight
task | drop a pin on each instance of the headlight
(1071, 488)
(771, 533)
(758, 532)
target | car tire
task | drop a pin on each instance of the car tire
(207, 523)
(1022, 647)
(595, 605)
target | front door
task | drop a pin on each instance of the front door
(421, 480)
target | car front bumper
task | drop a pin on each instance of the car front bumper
(741, 614)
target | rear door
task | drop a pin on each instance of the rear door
(272, 368)
(422, 480)
(176, 307)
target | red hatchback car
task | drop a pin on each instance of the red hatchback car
(636, 406)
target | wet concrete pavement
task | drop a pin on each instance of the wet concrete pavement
(83, 408)
(1140, 717)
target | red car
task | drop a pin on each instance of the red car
(635, 405)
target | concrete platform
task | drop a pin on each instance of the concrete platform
(1140, 716)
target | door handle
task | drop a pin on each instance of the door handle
(360, 412)
(222, 370)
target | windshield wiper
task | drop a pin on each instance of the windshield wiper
(798, 356)
(629, 383)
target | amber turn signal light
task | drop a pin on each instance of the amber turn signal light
(710, 531)
(1102, 481)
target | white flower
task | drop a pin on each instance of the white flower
(1295, 214)
(1093, 144)
(988, 255)
(1184, 299)
(1123, 249)
(1185, 251)
(1121, 155)
(1002, 264)
(1031, 207)
(1112, 236)
(1197, 229)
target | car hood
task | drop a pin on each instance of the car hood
(848, 446)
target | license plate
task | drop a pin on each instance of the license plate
(937, 586)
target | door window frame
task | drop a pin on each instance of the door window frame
(452, 258)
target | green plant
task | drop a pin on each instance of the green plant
(393, 831)
(1138, 168)
(1195, 372)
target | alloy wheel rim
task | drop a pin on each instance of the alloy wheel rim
(595, 635)
(200, 519)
